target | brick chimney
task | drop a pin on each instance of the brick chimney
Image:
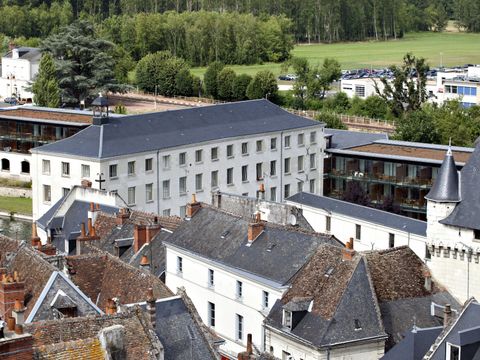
(447, 315)
(247, 355)
(18, 312)
(122, 216)
(145, 263)
(151, 309)
(152, 230)
(11, 289)
(111, 307)
(86, 183)
(139, 237)
(35, 238)
(255, 228)
(347, 252)
(83, 237)
(192, 207)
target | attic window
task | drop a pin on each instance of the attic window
(225, 234)
(357, 325)
(329, 272)
(287, 319)
(270, 248)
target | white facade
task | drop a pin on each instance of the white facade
(363, 87)
(194, 275)
(14, 165)
(373, 236)
(156, 178)
(17, 73)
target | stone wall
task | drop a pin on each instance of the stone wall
(15, 192)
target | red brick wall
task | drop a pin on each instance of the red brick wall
(9, 292)
(17, 348)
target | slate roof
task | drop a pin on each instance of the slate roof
(277, 253)
(467, 212)
(415, 345)
(26, 53)
(372, 215)
(445, 188)
(155, 252)
(168, 129)
(342, 139)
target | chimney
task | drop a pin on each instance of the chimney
(447, 315)
(81, 238)
(261, 191)
(111, 308)
(152, 230)
(86, 184)
(90, 226)
(151, 307)
(192, 207)
(11, 323)
(247, 355)
(347, 252)
(428, 280)
(139, 237)
(18, 329)
(145, 263)
(18, 312)
(122, 216)
(10, 290)
(255, 228)
(35, 238)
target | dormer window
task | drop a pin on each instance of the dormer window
(287, 319)
(358, 326)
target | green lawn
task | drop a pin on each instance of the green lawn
(17, 205)
(450, 47)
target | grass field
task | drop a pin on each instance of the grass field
(15, 204)
(450, 48)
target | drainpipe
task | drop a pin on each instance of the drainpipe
(281, 166)
(158, 183)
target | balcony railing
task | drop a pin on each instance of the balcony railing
(381, 178)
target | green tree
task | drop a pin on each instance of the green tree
(263, 85)
(225, 84)
(332, 121)
(184, 83)
(149, 68)
(45, 87)
(240, 86)
(319, 80)
(418, 126)
(210, 78)
(167, 84)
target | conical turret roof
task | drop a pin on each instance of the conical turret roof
(446, 186)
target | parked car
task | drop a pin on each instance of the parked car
(10, 100)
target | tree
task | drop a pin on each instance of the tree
(320, 79)
(332, 121)
(45, 87)
(418, 126)
(355, 193)
(149, 68)
(406, 91)
(263, 85)
(84, 65)
(225, 84)
(167, 84)
(210, 78)
(240, 86)
(184, 83)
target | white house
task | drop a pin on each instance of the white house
(19, 67)
(361, 87)
(371, 229)
(235, 269)
(154, 161)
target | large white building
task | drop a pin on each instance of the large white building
(154, 161)
(19, 67)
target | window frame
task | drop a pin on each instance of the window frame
(65, 166)
(44, 163)
(148, 164)
(131, 168)
(149, 191)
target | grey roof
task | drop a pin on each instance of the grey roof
(155, 251)
(467, 213)
(167, 129)
(298, 304)
(277, 253)
(26, 53)
(178, 332)
(365, 213)
(46, 218)
(342, 139)
(445, 188)
(415, 344)
(100, 101)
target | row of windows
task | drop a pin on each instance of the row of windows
(24, 166)
(85, 169)
(461, 90)
(239, 323)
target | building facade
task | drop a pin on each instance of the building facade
(156, 161)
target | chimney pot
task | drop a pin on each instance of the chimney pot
(92, 206)
(262, 188)
(18, 329)
(97, 207)
(111, 308)
(192, 207)
(122, 216)
(86, 184)
(18, 305)
(82, 229)
(255, 229)
(249, 344)
(90, 226)
(447, 315)
(35, 238)
(11, 323)
(151, 309)
(144, 260)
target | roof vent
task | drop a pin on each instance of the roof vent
(329, 272)
(358, 326)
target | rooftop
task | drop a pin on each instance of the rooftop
(25, 53)
(49, 115)
(342, 139)
(163, 130)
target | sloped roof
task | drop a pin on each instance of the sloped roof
(277, 253)
(372, 215)
(446, 185)
(342, 139)
(167, 129)
(26, 53)
(415, 345)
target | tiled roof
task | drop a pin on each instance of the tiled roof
(85, 349)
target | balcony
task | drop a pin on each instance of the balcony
(379, 178)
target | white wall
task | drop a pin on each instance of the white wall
(24, 72)
(349, 87)
(16, 165)
(195, 280)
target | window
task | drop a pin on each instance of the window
(211, 278)
(328, 223)
(245, 148)
(46, 167)
(313, 161)
(166, 161)
(211, 314)
(273, 168)
(25, 167)
(229, 151)
(131, 168)
(391, 240)
(198, 182)
(149, 192)
(131, 195)
(360, 90)
(239, 326)
(182, 158)
(286, 191)
(273, 143)
(259, 145)
(265, 299)
(5, 165)
(358, 232)
(313, 137)
(214, 178)
(198, 156)
(183, 211)
(65, 191)
(287, 141)
(112, 171)
(239, 293)
(300, 163)
(312, 186)
(287, 166)
(182, 185)
(65, 169)
(273, 194)
(476, 234)
(47, 193)
(245, 173)
(287, 319)
(85, 170)
(453, 352)
(300, 186)
(300, 139)
(214, 153)
(149, 164)
(259, 168)
(166, 212)
(230, 176)
(179, 265)
(166, 189)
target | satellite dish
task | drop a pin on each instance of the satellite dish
(292, 219)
